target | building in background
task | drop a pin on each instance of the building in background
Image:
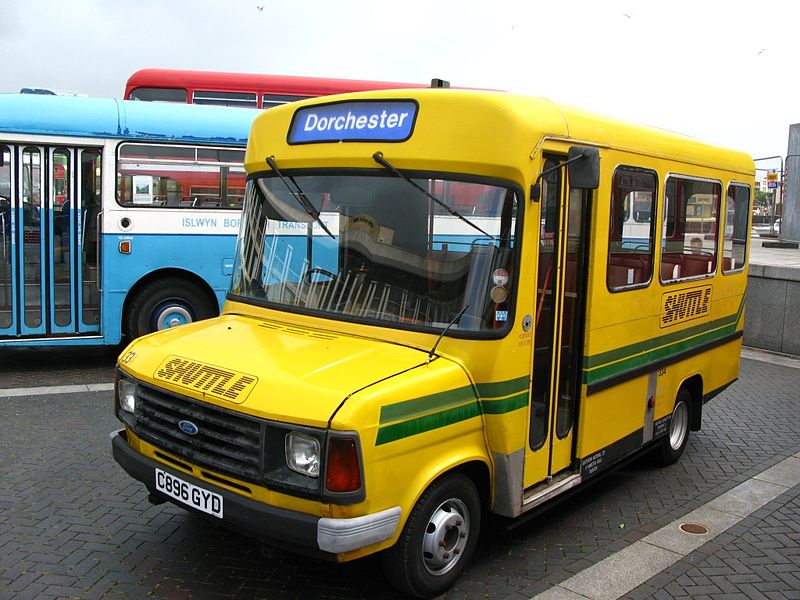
(790, 215)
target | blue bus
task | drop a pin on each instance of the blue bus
(117, 218)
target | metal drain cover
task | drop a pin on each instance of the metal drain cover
(694, 528)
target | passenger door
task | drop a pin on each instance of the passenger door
(558, 327)
(49, 241)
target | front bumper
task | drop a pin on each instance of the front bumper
(319, 536)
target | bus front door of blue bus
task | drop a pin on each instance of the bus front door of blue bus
(48, 279)
(6, 291)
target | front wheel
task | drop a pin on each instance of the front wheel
(438, 539)
(674, 443)
(164, 303)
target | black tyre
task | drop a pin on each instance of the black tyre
(673, 444)
(438, 539)
(164, 303)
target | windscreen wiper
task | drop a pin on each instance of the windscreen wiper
(298, 193)
(452, 322)
(378, 158)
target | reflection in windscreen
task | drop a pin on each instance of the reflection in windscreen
(394, 256)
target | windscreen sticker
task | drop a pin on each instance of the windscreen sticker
(381, 121)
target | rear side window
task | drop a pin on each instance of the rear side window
(737, 212)
(631, 231)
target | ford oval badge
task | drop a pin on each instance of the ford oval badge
(188, 427)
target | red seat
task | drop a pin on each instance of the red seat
(671, 266)
(628, 269)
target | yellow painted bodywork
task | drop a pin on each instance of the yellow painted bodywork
(325, 373)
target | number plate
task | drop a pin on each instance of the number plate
(189, 494)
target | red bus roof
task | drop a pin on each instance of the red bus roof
(253, 82)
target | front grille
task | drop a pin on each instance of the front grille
(226, 442)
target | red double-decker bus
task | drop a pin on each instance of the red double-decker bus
(247, 90)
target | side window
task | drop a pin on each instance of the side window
(270, 100)
(631, 236)
(5, 173)
(180, 176)
(60, 200)
(690, 231)
(149, 94)
(737, 212)
(241, 99)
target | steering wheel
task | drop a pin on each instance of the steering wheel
(308, 275)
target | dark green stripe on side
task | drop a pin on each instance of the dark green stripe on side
(634, 356)
(396, 431)
(418, 406)
(506, 405)
(503, 388)
(418, 415)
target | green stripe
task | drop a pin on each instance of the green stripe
(503, 388)
(654, 355)
(603, 358)
(617, 361)
(506, 405)
(419, 406)
(418, 415)
(396, 431)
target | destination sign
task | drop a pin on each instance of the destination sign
(371, 121)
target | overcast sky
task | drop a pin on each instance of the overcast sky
(721, 71)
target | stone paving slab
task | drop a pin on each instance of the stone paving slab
(756, 558)
(620, 573)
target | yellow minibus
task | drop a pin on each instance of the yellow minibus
(441, 308)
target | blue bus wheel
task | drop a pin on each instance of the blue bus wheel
(164, 303)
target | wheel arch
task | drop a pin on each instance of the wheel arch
(694, 385)
(478, 472)
(166, 273)
(474, 468)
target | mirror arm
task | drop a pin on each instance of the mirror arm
(536, 189)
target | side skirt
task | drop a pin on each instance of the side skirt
(590, 469)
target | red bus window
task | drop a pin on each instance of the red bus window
(246, 100)
(270, 100)
(159, 95)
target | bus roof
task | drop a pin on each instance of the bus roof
(487, 129)
(254, 82)
(111, 118)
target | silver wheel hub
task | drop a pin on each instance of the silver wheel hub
(678, 425)
(446, 536)
(172, 317)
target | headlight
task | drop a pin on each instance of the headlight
(302, 454)
(126, 393)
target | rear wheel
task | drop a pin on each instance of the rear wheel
(164, 303)
(438, 539)
(674, 443)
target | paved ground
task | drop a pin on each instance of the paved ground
(776, 257)
(72, 524)
(25, 367)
